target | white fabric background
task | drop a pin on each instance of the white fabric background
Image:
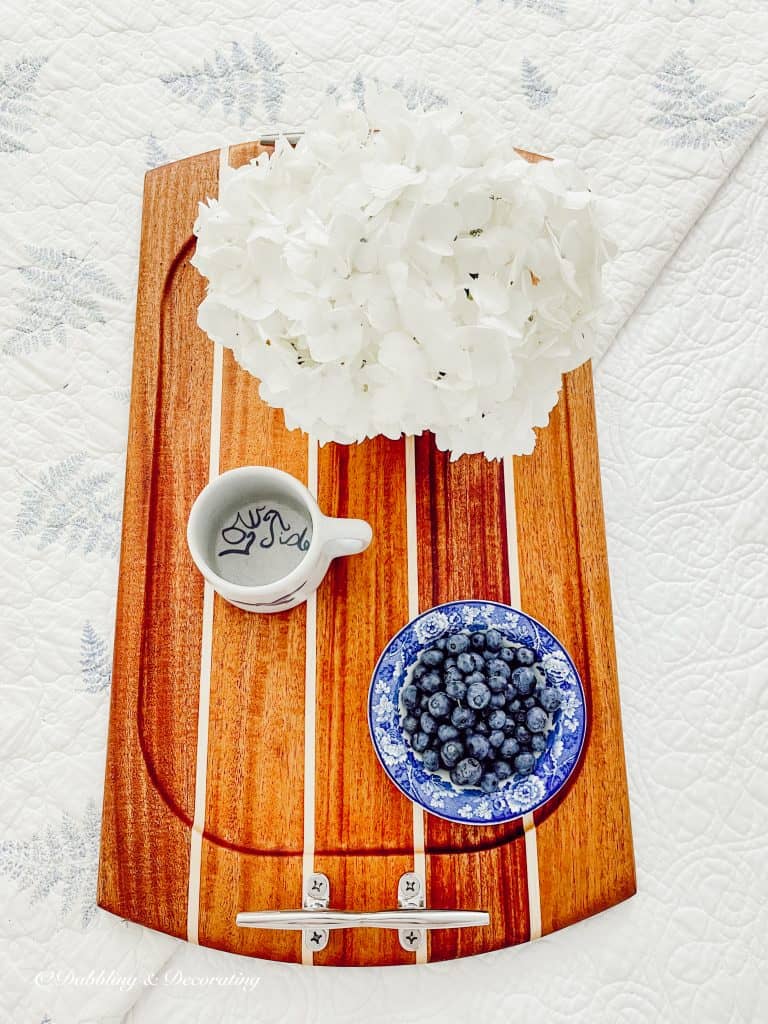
(681, 399)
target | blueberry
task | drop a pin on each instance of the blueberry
(507, 654)
(427, 723)
(489, 783)
(419, 671)
(482, 728)
(410, 723)
(420, 741)
(498, 684)
(549, 698)
(462, 718)
(510, 725)
(448, 663)
(467, 772)
(456, 689)
(447, 732)
(536, 719)
(451, 753)
(525, 656)
(473, 678)
(520, 716)
(465, 663)
(498, 700)
(440, 644)
(538, 743)
(496, 739)
(457, 644)
(524, 680)
(503, 769)
(514, 704)
(489, 655)
(477, 641)
(470, 663)
(496, 719)
(431, 760)
(524, 763)
(433, 657)
(439, 705)
(431, 683)
(477, 746)
(522, 736)
(424, 702)
(494, 639)
(478, 696)
(411, 696)
(509, 747)
(497, 667)
(453, 675)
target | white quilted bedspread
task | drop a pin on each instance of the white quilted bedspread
(657, 100)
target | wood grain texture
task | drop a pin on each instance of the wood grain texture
(586, 860)
(254, 817)
(253, 836)
(363, 602)
(462, 554)
(149, 790)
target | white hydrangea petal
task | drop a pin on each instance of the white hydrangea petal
(404, 271)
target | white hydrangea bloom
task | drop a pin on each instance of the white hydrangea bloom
(400, 271)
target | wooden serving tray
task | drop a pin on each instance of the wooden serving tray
(238, 757)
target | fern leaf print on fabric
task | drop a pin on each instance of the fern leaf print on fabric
(234, 80)
(61, 861)
(554, 8)
(693, 115)
(154, 154)
(17, 104)
(95, 661)
(537, 91)
(74, 506)
(61, 291)
(417, 94)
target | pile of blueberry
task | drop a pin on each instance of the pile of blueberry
(479, 708)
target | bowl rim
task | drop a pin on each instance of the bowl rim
(478, 602)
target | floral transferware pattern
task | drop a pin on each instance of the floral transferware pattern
(518, 795)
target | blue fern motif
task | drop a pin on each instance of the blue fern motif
(417, 94)
(17, 106)
(232, 80)
(61, 291)
(554, 8)
(62, 860)
(73, 506)
(693, 115)
(154, 154)
(95, 662)
(538, 93)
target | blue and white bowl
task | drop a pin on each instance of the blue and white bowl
(435, 792)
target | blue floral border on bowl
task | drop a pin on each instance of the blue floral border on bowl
(516, 796)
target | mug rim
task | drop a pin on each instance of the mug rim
(259, 590)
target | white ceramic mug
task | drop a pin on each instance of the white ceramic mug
(259, 538)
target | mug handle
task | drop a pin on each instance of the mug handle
(345, 536)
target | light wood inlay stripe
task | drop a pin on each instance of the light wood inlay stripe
(206, 649)
(531, 847)
(310, 716)
(419, 857)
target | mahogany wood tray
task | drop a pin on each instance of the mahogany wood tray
(238, 760)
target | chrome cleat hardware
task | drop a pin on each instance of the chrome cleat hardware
(317, 894)
(315, 920)
(410, 896)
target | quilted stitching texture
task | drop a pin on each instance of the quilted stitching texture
(656, 99)
(684, 447)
